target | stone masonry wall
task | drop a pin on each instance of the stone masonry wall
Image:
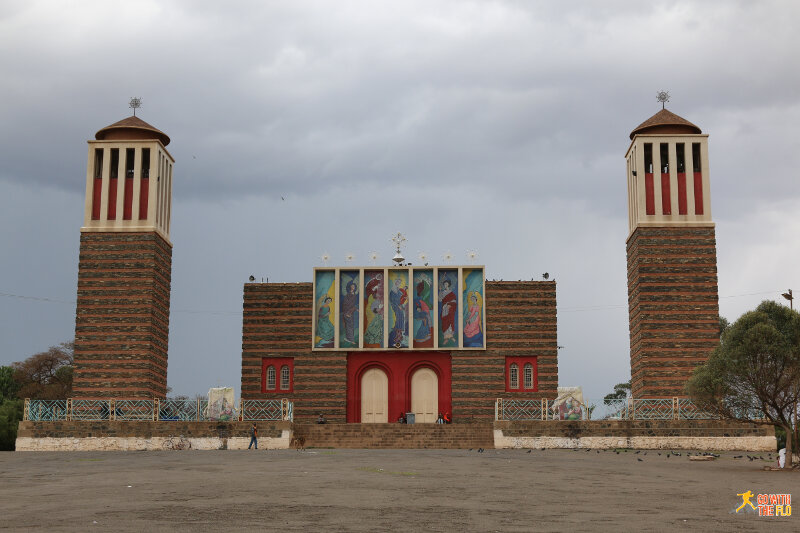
(673, 306)
(122, 316)
(520, 321)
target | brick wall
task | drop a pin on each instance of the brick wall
(122, 316)
(520, 321)
(673, 306)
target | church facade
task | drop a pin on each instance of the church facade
(372, 344)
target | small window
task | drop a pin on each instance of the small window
(98, 163)
(113, 171)
(513, 376)
(277, 375)
(680, 156)
(696, 157)
(285, 377)
(129, 155)
(664, 153)
(648, 158)
(528, 378)
(145, 163)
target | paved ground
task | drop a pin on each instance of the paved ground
(383, 490)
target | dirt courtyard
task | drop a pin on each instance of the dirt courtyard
(384, 490)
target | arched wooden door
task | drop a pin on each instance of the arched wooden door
(374, 396)
(425, 395)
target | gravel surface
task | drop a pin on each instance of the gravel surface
(384, 490)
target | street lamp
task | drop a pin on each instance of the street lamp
(788, 296)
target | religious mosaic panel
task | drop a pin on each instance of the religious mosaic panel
(349, 283)
(324, 305)
(422, 325)
(472, 307)
(398, 302)
(379, 308)
(448, 308)
(373, 308)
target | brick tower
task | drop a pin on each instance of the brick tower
(672, 260)
(124, 271)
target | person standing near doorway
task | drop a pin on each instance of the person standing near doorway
(253, 436)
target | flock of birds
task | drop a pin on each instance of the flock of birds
(668, 454)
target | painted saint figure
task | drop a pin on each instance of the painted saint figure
(473, 325)
(373, 302)
(324, 325)
(350, 316)
(448, 305)
(423, 325)
(398, 298)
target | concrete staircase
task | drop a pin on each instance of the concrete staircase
(440, 436)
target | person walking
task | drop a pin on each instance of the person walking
(253, 436)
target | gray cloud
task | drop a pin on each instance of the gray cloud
(500, 126)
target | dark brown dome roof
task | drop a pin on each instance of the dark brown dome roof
(665, 121)
(129, 129)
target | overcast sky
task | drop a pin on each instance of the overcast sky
(495, 126)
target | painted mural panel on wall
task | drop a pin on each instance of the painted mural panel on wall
(406, 307)
(373, 309)
(472, 298)
(349, 283)
(423, 309)
(324, 305)
(398, 301)
(448, 308)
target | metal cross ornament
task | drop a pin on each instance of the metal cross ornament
(663, 97)
(135, 104)
(399, 241)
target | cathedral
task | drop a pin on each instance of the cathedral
(372, 344)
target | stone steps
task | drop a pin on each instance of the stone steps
(409, 436)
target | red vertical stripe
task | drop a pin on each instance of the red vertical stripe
(698, 193)
(649, 193)
(97, 190)
(112, 198)
(666, 202)
(681, 193)
(128, 206)
(145, 187)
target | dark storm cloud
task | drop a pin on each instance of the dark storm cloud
(497, 126)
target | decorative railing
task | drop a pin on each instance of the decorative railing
(168, 410)
(623, 409)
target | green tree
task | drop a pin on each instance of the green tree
(621, 391)
(8, 387)
(10, 415)
(754, 373)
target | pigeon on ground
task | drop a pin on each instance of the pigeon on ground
(637, 451)
(529, 451)
(738, 456)
(638, 458)
(659, 453)
(480, 450)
